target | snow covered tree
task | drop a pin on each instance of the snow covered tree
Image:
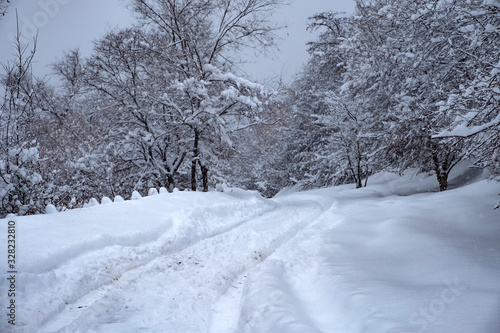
(431, 59)
(22, 189)
(426, 69)
(204, 37)
(475, 106)
(330, 141)
(382, 83)
(130, 75)
(403, 61)
(260, 158)
(70, 72)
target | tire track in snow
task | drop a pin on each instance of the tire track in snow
(228, 320)
(226, 312)
(177, 292)
(87, 276)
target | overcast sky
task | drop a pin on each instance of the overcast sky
(66, 24)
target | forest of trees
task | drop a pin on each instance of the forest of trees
(397, 85)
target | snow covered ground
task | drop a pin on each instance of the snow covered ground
(393, 257)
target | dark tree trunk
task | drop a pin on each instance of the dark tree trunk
(359, 173)
(442, 170)
(204, 176)
(194, 162)
(171, 176)
(358, 182)
(170, 182)
(443, 181)
(367, 175)
(193, 175)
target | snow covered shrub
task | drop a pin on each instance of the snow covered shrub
(92, 203)
(105, 201)
(135, 196)
(50, 209)
(21, 185)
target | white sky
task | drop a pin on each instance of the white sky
(66, 24)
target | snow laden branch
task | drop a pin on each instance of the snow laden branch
(464, 131)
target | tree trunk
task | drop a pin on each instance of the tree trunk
(441, 172)
(358, 182)
(171, 176)
(359, 173)
(443, 181)
(170, 182)
(204, 175)
(194, 161)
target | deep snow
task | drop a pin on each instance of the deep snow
(392, 257)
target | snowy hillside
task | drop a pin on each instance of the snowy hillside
(377, 259)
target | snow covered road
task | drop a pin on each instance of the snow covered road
(170, 282)
(330, 261)
(178, 290)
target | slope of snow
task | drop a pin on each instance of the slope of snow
(393, 257)
(420, 263)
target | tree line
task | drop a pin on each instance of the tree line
(160, 103)
(397, 85)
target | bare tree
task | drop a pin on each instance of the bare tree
(4, 5)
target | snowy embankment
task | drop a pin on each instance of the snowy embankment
(379, 259)
(377, 263)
